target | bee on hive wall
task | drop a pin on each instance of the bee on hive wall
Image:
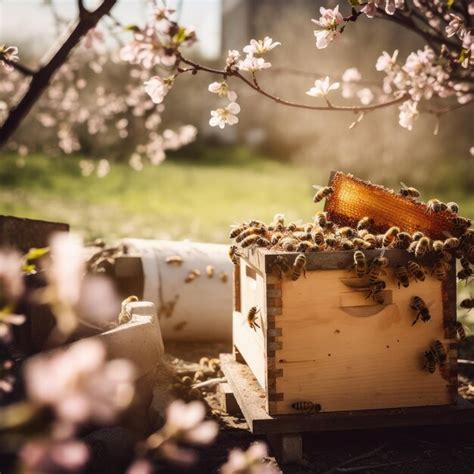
(252, 318)
(360, 263)
(402, 276)
(435, 205)
(235, 232)
(307, 407)
(234, 254)
(422, 311)
(415, 270)
(467, 303)
(298, 267)
(376, 269)
(376, 291)
(407, 191)
(422, 247)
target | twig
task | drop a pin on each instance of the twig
(357, 458)
(25, 70)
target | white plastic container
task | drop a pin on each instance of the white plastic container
(190, 308)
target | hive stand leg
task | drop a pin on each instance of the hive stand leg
(237, 355)
(228, 401)
(287, 447)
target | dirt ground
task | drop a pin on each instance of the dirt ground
(408, 450)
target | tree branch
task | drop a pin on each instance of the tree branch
(41, 78)
(25, 70)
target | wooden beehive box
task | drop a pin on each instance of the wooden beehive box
(321, 340)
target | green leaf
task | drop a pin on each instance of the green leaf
(34, 253)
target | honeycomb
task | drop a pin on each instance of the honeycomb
(354, 199)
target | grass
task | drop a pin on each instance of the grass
(179, 199)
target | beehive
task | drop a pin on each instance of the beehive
(322, 340)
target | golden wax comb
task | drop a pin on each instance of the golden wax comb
(354, 199)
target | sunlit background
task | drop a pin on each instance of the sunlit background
(263, 165)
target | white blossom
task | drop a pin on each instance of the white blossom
(322, 88)
(233, 57)
(408, 114)
(261, 46)
(226, 115)
(351, 75)
(157, 88)
(10, 54)
(330, 19)
(365, 96)
(222, 89)
(253, 64)
(455, 26)
(385, 62)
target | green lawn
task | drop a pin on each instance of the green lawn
(179, 199)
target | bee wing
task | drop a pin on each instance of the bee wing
(403, 185)
(317, 186)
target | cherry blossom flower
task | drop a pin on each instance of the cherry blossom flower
(48, 455)
(261, 46)
(249, 462)
(365, 96)
(408, 114)
(225, 116)
(455, 26)
(233, 57)
(370, 9)
(10, 54)
(157, 88)
(79, 384)
(330, 19)
(222, 89)
(253, 64)
(322, 88)
(392, 5)
(351, 75)
(385, 62)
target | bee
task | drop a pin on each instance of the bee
(430, 362)
(125, 315)
(234, 254)
(331, 242)
(417, 235)
(192, 275)
(451, 243)
(403, 240)
(440, 270)
(204, 361)
(415, 270)
(308, 407)
(276, 237)
(407, 191)
(199, 376)
(302, 235)
(401, 273)
(435, 205)
(376, 269)
(453, 207)
(215, 364)
(347, 244)
(390, 235)
(174, 260)
(250, 240)
(237, 230)
(376, 291)
(360, 263)
(305, 246)
(438, 349)
(461, 223)
(422, 247)
(320, 219)
(318, 237)
(293, 226)
(289, 244)
(250, 232)
(210, 271)
(347, 232)
(460, 330)
(223, 277)
(281, 265)
(299, 266)
(252, 318)
(468, 303)
(365, 223)
(360, 243)
(371, 240)
(322, 192)
(412, 246)
(308, 228)
(419, 305)
(263, 242)
(255, 223)
(464, 274)
(437, 246)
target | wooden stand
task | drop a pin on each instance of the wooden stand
(284, 432)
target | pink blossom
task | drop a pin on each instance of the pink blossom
(455, 26)
(233, 57)
(157, 88)
(330, 20)
(385, 62)
(226, 115)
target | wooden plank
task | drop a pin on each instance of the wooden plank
(251, 399)
(346, 362)
(227, 400)
(23, 234)
(287, 447)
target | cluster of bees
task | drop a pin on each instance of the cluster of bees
(323, 235)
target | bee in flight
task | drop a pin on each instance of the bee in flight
(422, 311)
(360, 263)
(252, 318)
(407, 191)
(322, 192)
(299, 266)
(307, 407)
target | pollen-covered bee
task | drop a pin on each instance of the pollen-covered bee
(419, 305)
(453, 207)
(322, 192)
(249, 232)
(403, 240)
(250, 240)
(407, 191)
(252, 318)
(435, 205)
(390, 235)
(422, 247)
(234, 254)
(376, 269)
(360, 263)
(308, 407)
(415, 270)
(451, 243)
(467, 303)
(376, 291)
(365, 223)
(237, 230)
(402, 276)
(438, 349)
(299, 266)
